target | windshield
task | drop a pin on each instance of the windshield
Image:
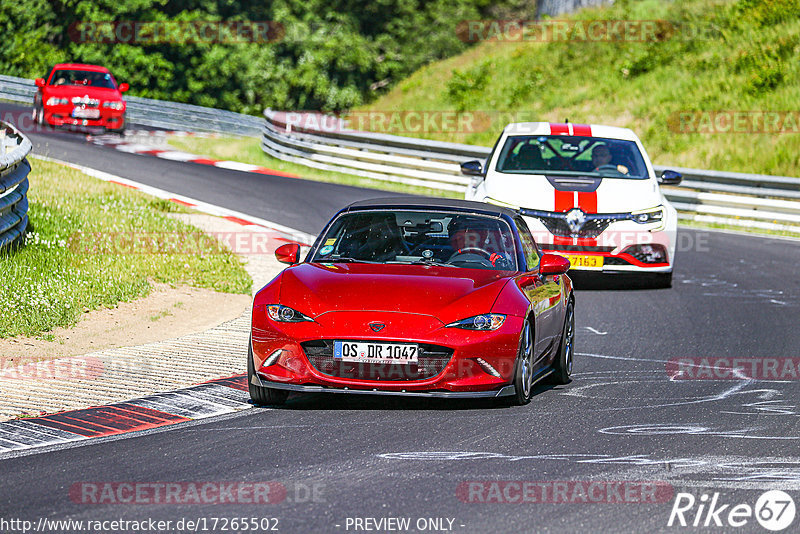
(573, 155)
(83, 77)
(419, 237)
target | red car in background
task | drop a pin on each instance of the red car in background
(415, 297)
(74, 94)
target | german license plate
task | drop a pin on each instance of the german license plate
(85, 113)
(371, 352)
(585, 262)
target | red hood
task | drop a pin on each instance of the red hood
(69, 91)
(447, 293)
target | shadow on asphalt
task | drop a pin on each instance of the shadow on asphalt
(617, 282)
(338, 401)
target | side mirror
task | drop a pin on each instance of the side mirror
(288, 253)
(39, 82)
(670, 178)
(553, 264)
(472, 168)
(123, 87)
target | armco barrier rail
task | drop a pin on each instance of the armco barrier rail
(752, 200)
(156, 113)
(14, 169)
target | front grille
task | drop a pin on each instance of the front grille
(594, 223)
(593, 227)
(432, 361)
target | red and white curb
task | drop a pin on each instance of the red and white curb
(178, 155)
(217, 397)
(288, 234)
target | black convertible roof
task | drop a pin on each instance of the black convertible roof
(411, 202)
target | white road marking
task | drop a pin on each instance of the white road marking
(599, 333)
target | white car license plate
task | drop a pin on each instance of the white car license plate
(86, 113)
(371, 352)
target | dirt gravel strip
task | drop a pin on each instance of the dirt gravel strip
(118, 374)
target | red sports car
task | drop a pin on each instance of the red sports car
(74, 94)
(414, 297)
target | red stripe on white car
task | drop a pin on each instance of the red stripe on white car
(563, 201)
(558, 128)
(582, 129)
(588, 202)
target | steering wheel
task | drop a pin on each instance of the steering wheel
(475, 251)
(607, 167)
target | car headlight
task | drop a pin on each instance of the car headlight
(285, 314)
(53, 101)
(486, 321)
(113, 104)
(649, 216)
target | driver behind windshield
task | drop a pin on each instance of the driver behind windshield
(601, 156)
(602, 160)
(478, 241)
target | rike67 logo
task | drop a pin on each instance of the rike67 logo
(774, 510)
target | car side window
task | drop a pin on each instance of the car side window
(529, 247)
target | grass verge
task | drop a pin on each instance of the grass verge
(93, 244)
(248, 150)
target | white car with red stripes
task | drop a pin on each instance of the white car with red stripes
(587, 192)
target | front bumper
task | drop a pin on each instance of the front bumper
(615, 245)
(505, 391)
(463, 373)
(62, 116)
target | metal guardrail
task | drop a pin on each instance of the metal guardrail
(156, 113)
(754, 200)
(554, 8)
(14, 169)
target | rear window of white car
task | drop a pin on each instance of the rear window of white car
(571, 155)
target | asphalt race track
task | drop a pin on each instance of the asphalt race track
(629, 422)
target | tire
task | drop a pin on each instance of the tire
(119, 131)
(562, 366)
(261, 395)
(38, 115)
(523, 368)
